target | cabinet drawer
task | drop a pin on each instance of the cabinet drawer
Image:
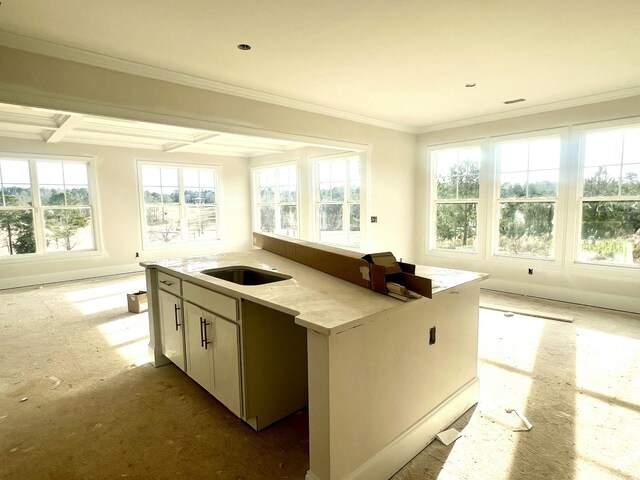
(213, 301)
(169, 283)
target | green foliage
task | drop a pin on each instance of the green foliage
(456, 224)
(63, 225)
(600, 184)
(330, 218)
(268, 218)
(525, 244)
(463, 181)
(616, 250)
(333, 194)
(16, 226)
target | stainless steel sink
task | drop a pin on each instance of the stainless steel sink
(246, 275)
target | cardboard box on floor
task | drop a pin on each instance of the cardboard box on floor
(137, 302)
(371, 271)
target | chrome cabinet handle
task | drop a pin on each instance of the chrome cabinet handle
(175, 314)
(166, 282)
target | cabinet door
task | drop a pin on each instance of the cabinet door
(172, 328)
(199, 329)
(226, 365)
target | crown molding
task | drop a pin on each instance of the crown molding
(546, 107)
(42, 47)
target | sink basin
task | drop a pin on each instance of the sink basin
(246, 275)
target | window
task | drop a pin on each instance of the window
(337, 200)
(180, 204)
(528, 173)
(45, 207)
(275, 200)
(610, 203)
(456, 194)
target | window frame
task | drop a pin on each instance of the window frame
(574, 246)
(146, 244)
(561, 199)
(432, 199)
(255, 203)
(362, 202)
(38, 210)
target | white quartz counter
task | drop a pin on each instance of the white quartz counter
(319, 301)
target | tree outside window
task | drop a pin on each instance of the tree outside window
(337, 194)
(528, 182)
(62, 190)
(180, 204)
(65, 196)
(275, 200)
(457, 191)
(610, 203)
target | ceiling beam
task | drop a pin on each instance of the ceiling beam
(180, 146)
(66, 123)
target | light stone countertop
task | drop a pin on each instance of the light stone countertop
(319, 301)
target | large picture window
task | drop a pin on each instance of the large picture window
(275, 200)
(528, 175)
(45, 207)
(456, 197)
(337, 200)
(180, 204)
(610, 203)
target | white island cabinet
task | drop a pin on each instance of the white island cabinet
(212, 344)
(171, 324)
(381, 376)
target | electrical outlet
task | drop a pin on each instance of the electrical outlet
(374, 219)
(531, 271)
(432, 335)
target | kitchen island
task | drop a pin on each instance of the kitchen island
(381, 376)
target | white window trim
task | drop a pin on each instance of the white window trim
(573, 245)
(255, 214)
(146, 246)
(560, 215)
(431, 199)
(364, 156)
(38, 212)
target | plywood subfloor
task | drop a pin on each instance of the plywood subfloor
(79, 401)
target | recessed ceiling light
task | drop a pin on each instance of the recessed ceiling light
(517, 100)
(244, 46)
(469, 85)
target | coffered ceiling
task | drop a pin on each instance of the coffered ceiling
(52, 126)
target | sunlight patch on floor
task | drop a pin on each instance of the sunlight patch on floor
(129, 337)
(598, 440)
(103, 298)
(603, 361)
(524, 337)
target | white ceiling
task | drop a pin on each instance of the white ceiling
(401, 63)
(52, 126)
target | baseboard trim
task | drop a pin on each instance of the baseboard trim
(412, 441)
(57, 277)
(562, 294)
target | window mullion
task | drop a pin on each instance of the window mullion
(38, 210)
(182, 206)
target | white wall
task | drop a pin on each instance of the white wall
(37, 80)
(611, 287)
(115, 171)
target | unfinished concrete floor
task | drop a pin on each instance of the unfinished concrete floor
(78, 399)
